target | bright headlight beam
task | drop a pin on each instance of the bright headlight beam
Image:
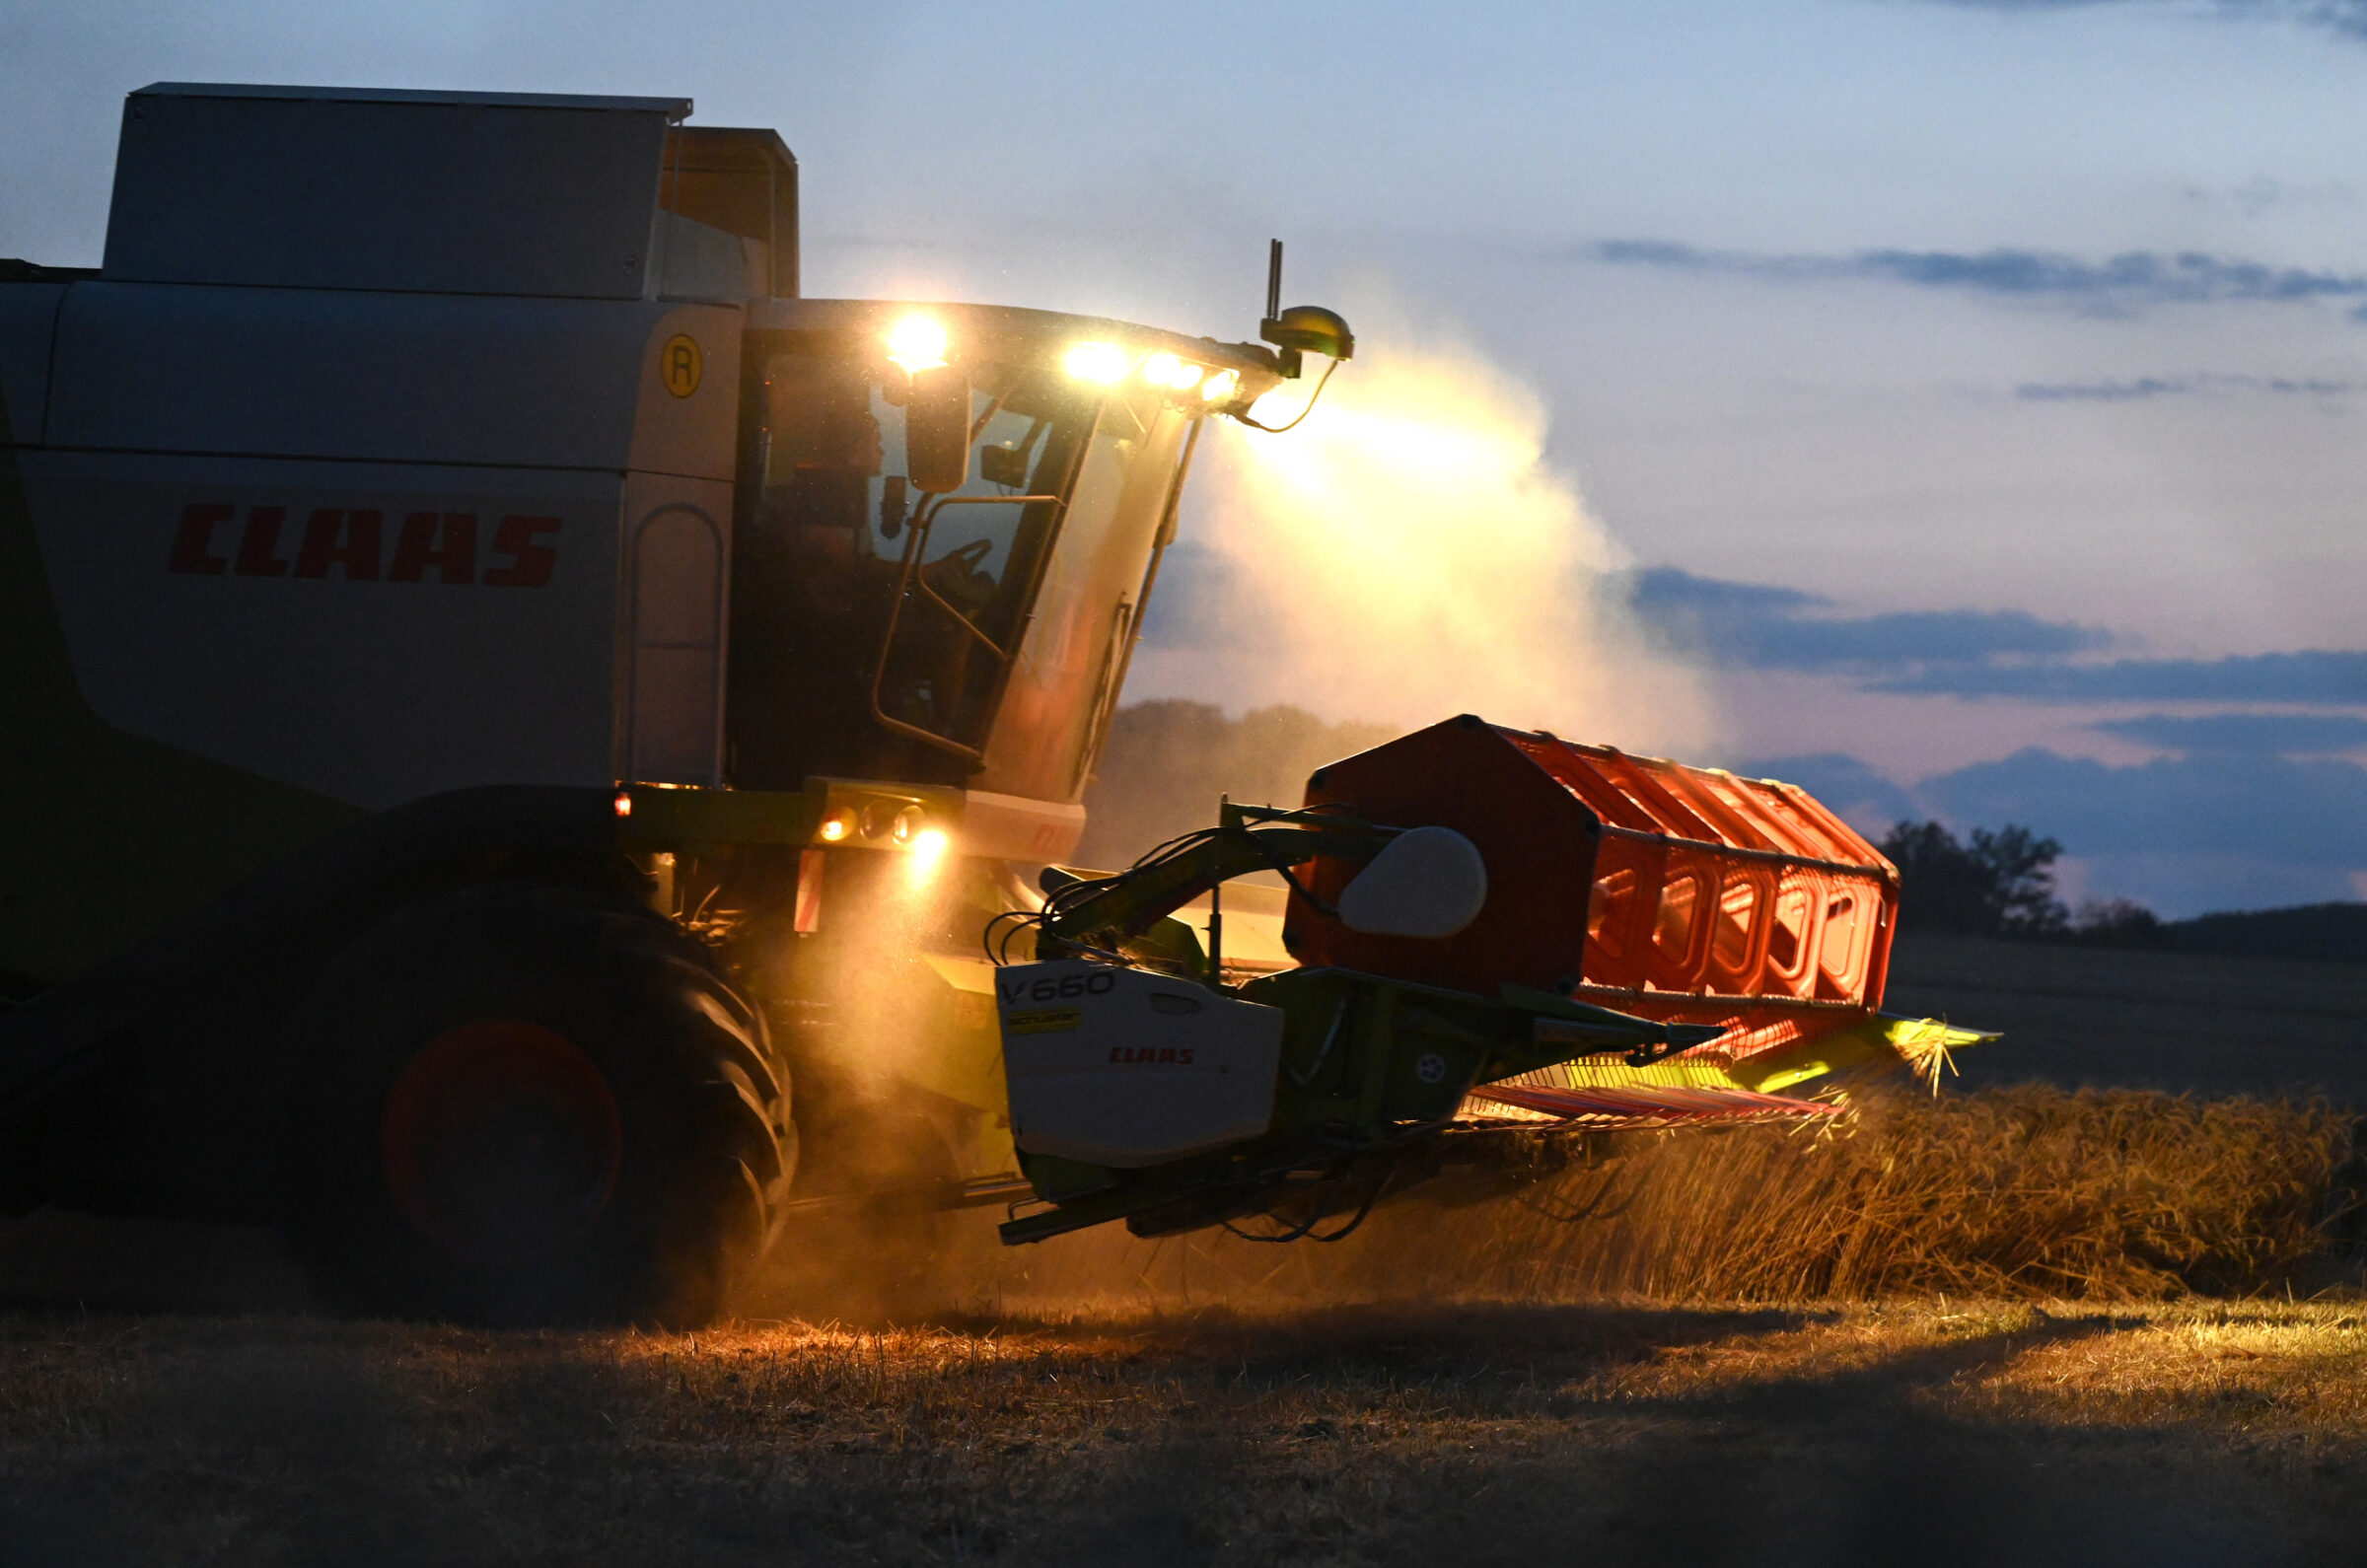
(927, 852)
(917, 342)
(1168, 370)
(1220, 386)
(1105, 364)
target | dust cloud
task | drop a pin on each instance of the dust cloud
(865, 1023)
(1164, 766)
(1406, 554)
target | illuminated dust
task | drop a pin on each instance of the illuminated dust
(1408, 554)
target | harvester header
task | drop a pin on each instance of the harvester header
(1495, 931)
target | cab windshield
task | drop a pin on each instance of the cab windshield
(974, 637)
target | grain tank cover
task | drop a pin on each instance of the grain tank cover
(1678, 892)
(513, 193)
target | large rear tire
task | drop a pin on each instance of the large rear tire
(519, 1104)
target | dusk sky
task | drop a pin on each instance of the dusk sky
(1961, 402)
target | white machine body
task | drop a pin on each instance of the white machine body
(391, 449)
(323, 611)
(1125, 1069)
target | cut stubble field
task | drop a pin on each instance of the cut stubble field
(1934, 1432)
(2016, 1325)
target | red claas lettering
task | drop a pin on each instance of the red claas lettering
(530, 563)
(340, 538)
(194, 540)
(258, 546)
(444, 543)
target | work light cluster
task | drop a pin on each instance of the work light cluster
(1108, 365)
(919, 342)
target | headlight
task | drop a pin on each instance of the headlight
(1166, 370)
(1102, 363)
(1220, 388)
(917, 342)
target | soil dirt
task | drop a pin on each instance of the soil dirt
(2193, 1023)
(167, 1397)
(1930, 1433)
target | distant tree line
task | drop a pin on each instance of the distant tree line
(2001, 884)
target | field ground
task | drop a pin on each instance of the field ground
(2184, 1022)
(1936, 1433)
(163, 1398)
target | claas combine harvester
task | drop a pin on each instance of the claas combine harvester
(495, 686)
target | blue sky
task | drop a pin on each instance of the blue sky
(1974, 390)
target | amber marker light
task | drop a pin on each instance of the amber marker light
(917, 342)
(1101, 363)
(624, 803)
(833, 829)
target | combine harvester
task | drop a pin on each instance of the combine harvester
(497, 687)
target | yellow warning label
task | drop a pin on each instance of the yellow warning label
(680, 364)
(1044, 1021)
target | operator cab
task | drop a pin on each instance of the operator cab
(975, 632)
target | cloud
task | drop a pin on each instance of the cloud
(2348, 16)
(1670, 590)
(1767, 628)
(2260, 194)
(2272, 734)
(2102, 392)
(2115, 284)
(1946, 636)
(2226, 830)
(2260, 806)
(1980, 653)
(2318, 677)
(2150, 387)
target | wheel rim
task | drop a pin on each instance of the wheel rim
(500, 1140)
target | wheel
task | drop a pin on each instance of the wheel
(520, 1105)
